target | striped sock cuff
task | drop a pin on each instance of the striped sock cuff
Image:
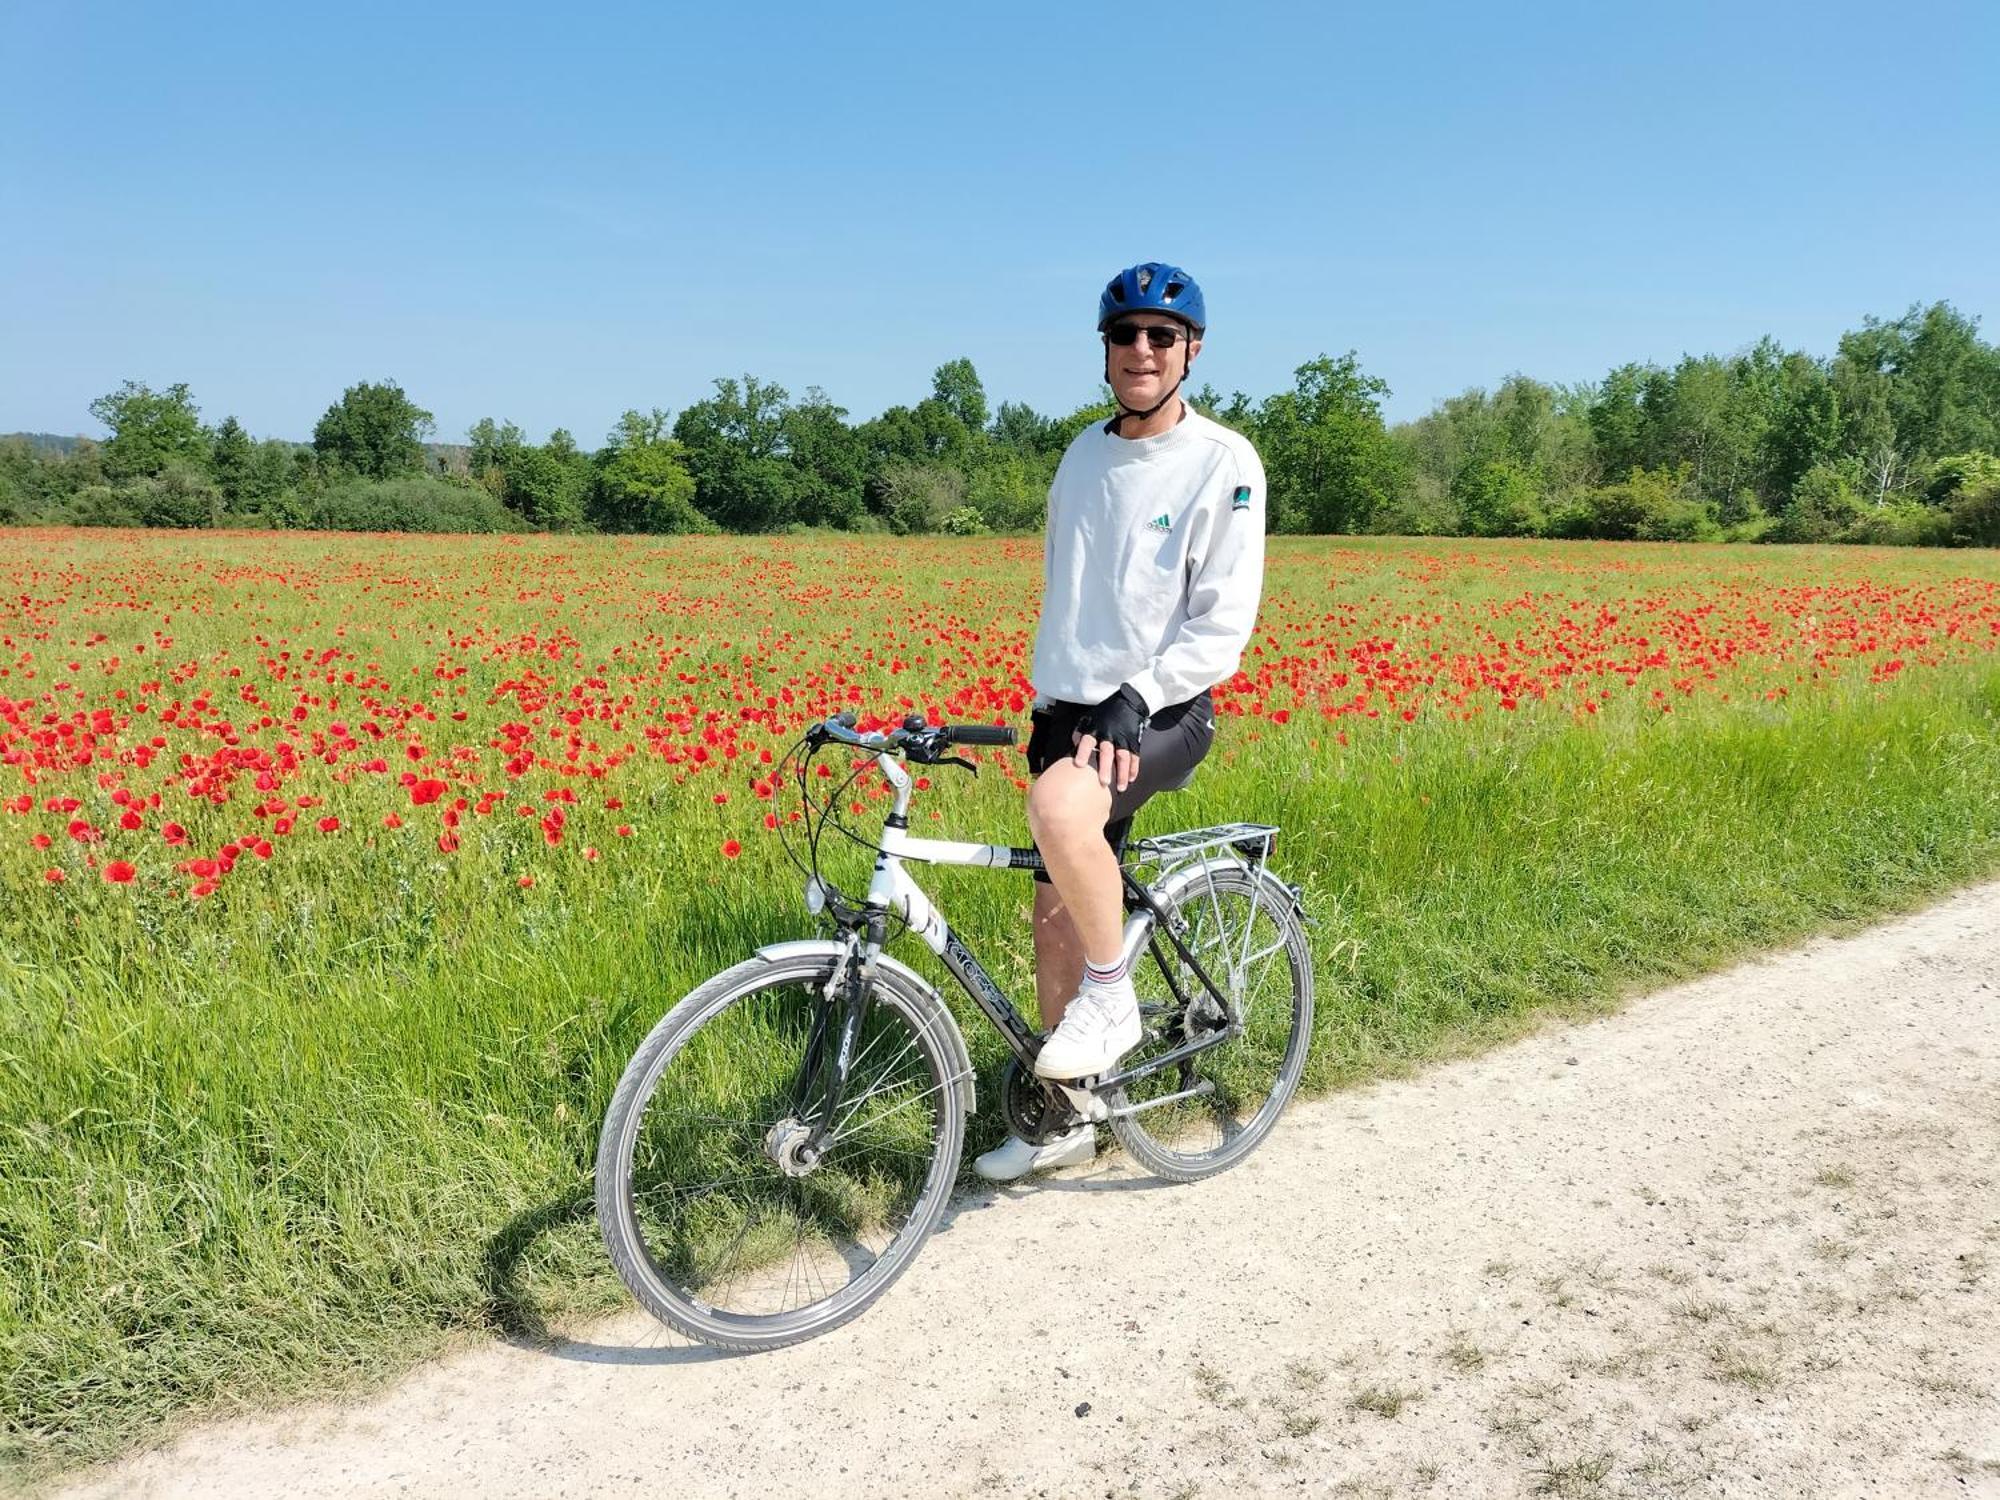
(1105, 973)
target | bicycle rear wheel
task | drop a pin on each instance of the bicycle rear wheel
(708, 1212)
(1209, 1111)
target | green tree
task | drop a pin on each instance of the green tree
(957, 386)
(643, 483)
(1329, 462)
(150, 430)
(373, 430)
(1497, 497)
(490, 447)
(830, 459)
(1021, 429)
(232, 459)
(1940, 382)
(735, 442)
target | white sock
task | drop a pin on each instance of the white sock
(1106, 974)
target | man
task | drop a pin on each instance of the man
(1152, 567)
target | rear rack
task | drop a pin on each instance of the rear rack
(1251, 840)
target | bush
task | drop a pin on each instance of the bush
(1974, 517)
(1498, 498)
(1422, 508)
(1010, 494)
(964, 521)
(917, 497)
(1671, 520)
(99, 505)
(182, 497)
(1901, 525)
(1822, 507)
(1648, 505)
(412, 503)
(1970, 472)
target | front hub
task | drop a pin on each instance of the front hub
(785, 1143)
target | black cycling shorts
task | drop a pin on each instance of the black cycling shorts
(1175, 740)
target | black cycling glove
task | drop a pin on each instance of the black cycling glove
(1120, 719)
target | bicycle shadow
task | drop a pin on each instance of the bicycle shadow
(1114, 1176)
(517, 1319)
(512, 1312)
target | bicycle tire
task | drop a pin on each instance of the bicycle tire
(1201, 1136)
(654, 1256)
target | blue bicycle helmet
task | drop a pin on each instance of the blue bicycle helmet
(1153, 287)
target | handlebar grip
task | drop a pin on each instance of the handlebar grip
(981, 734)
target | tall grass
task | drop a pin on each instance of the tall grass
(300, 1134)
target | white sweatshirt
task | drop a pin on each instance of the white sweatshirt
(1152, 565)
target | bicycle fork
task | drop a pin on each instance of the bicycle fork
(794, 1143)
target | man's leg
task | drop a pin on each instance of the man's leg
(1067, 810)
(1058, 955)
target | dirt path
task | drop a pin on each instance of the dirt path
(1741, 1239)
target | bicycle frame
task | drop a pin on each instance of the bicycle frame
(892, 890)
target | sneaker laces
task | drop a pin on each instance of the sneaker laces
(1099, 1008)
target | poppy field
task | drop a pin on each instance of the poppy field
(339, 875)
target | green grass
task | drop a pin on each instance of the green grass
(292, 1139)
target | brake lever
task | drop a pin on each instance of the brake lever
(957, 760)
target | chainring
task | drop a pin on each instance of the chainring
(1033, 1111)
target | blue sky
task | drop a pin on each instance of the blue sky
(552, 213)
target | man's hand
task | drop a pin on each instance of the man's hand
(1106, 758)
(1109, 736)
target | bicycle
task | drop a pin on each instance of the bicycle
(785, 1140)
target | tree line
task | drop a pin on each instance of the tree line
(1891, 439)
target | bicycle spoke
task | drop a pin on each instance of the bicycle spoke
(731, 1220)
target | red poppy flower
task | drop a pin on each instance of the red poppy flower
(173, 833)
(731, 848)
(119, 872)
(392, 821)
(329, 825)
(54, 877)
(426, 791)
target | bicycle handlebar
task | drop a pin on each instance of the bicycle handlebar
(915, 732)
(980, 734)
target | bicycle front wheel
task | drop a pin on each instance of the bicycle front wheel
(710, 1213)
(1208, 1112)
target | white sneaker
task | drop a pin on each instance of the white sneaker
(1100, 1026)
(1015, 1158)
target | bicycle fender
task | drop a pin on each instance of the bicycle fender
(1288, 897)
(954, 1039)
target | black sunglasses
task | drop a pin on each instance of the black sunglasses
(1159, 335)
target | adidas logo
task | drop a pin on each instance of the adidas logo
(1161, 523)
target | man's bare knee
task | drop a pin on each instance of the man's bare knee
(1067, 805)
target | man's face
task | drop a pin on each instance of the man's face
(1141, 375)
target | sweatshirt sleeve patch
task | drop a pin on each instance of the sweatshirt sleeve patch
(1241, 499)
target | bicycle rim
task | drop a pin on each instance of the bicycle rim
(707, 1227)
(1241, 928)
